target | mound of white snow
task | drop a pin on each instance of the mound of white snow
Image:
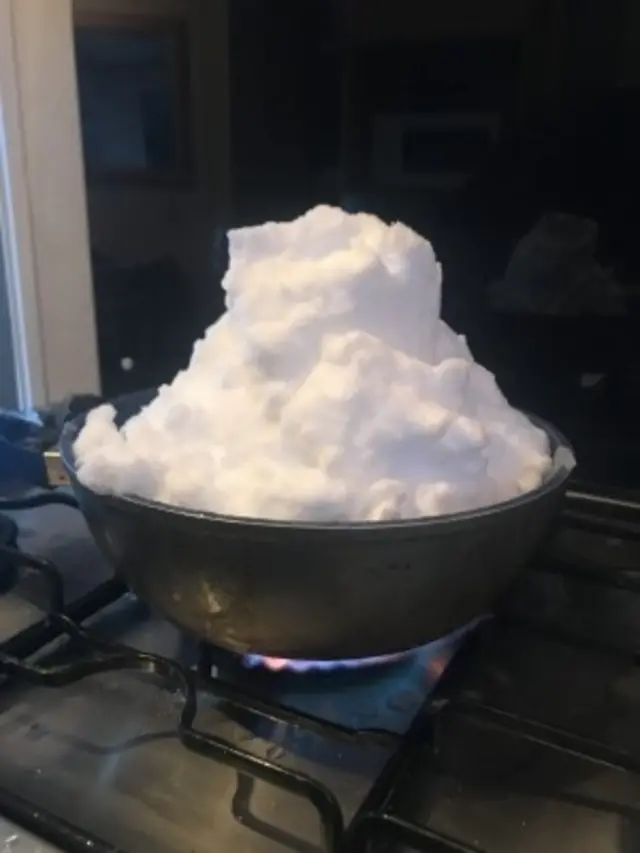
(330, 390)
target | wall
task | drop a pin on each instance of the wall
(136, 224)
(46, 246)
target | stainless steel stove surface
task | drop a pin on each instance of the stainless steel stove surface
(528, 742)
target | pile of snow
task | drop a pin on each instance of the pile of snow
(330, 390)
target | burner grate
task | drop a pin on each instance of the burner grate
(96, 656)
(99, 657)
(378, 819)
(376, 816)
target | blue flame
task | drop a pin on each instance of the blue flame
(302, 666)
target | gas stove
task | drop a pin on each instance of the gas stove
(119, 733)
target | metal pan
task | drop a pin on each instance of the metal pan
(316, 591)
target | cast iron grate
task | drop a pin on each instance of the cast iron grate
(376, 818)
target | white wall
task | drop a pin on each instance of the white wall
(45, 198)
(15, 229)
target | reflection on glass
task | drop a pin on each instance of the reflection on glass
(132, 87)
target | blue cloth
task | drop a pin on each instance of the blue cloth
(21, 458)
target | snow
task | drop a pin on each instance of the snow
(330, 390)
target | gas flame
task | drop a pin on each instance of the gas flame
(302, 666)
(442, 652)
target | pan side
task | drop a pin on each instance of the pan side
(316, 591)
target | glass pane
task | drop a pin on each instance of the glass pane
(129, 100)
(151, 223)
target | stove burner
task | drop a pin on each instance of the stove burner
(303, 666)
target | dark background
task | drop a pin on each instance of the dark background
(258, 109)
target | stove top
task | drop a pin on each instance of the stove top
(117, 732)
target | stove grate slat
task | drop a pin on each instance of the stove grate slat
(372, 826)
(550, 737)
